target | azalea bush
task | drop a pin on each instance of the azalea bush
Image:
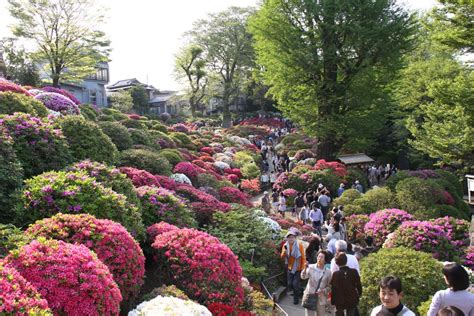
(18, 296)
(118, 133)
(140, 177)
(140, 137)
(234, 195)
(166, 290)
(421, 276)
(417, 197)
(251, 187)
(160, 204)
(69, 277)
(63, 92)
(146, 160)
(189, 169)
(75, 192)
(172, 155)
(87, 141)
(337, 167)
(162, 304)
(6, 85)
(426, 237)
(385, 222)
(456, 229)
(468, 257)
(372, 201)
(11, 238)
(250, 170)
(204, 211)
(89, 111)
(114, 246)
(355, 224)
(58, 103)
(199, 264)
(11, 102)
(38, 145)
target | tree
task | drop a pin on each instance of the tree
(122, 100)
(140, 99)
(227, 47)
(68, 45)
(18, 67)
(190, 67)
(327, 61)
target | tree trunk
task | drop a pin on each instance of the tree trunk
(226, 118)
(326, 149)
(55, 81)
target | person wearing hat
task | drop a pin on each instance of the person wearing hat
(266, 204)
(295, 259)
(340, 190)
(359, 187)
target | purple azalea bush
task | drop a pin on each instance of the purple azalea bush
(385, 222)
(57, 102)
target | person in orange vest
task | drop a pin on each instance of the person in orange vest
(295, 260)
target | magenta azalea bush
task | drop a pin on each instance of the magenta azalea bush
(456, 229)
(75, 192)
(19, 297)
(424, 236)
(290, 193)
(199, 264)
(189, 169)
(38, 144)
(69, 277)
(139, 177)
(385, 222)
(6, 85)
(114, 246)
(65, 93)
(160, 204)
(58, 102)
(234, 195)
(468, 258)
(355, 224)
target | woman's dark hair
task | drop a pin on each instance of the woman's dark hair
(457, 276)
(313, 246)
(450, 311)
(327, 255)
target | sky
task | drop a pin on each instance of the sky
(146, 34)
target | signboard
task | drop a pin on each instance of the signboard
(470, 187)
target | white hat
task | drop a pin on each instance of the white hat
(357, 182)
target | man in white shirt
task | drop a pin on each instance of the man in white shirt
(341, 246)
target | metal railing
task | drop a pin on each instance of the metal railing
(276, 308)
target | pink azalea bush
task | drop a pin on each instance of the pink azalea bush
(189, 169)
(207, 150)
(199, 264)
(468, 258)
(114, 246)
(69, 277)
(203, 211)
(385, 222)
(290, 193)
(424, 236)
(63, 92)
(456, 229)
(233, 178)
(234, 195)
(166, 182)
(251, 186)
(139, 177)
(338, 168)
(355, 224)
(18, 296)
(6, 85)
(58, 102)
(160, 204)
(181, 128)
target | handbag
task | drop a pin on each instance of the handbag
(310, 300)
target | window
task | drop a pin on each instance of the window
(101, 74)
(93, 97)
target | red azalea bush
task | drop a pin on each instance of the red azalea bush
(189, 169)
(206, 159)
(233, 178)
(234, 195)
(203, 211)
(260, 121)
(18, 296)
(114, 246)
(139, 177)
(69, 277)
(166, 182)
(339, 168)
(385, 222)
(199, 264)
(6, 85)
(355, 227)
(65, 93)
(456, 229)
(235, 171)
(291, 193)
(207, 150)
(160, 204)
(251, 187)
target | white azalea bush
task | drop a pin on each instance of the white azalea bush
(181, 178)
(221, 165)
(169, 306)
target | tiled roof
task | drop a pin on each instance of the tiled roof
(355, 159)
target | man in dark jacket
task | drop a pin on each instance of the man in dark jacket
(346, 287)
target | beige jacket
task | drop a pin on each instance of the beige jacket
(314, 274)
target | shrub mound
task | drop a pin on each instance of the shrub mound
(456, 229)
(114, 246)
(146, 160)
(355, 224)
(234, 195)
(11, 102)
(118, 133)
(58, 103)
(6, 85)
(199, 264)
(63, 92)
(385, 222)
(69, 277)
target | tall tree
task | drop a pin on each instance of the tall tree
(68, 43)
(227, 48)
(18, 66)
(327, 63)
(140, 99)
(122, 100)
(190, 67)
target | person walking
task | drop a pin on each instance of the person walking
(317, 219)
(266, 204)
(282, 204)
(346, 287)
(324, 200)
(318, 287)
(295, 261)
(340, 190)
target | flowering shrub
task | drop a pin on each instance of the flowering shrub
(75, 192)
(469, 258)
(304, 154)
(235, 171)
(424, 236)
(65, 93)
(234, 195)
(38, 145)
(194, 195)
(118, 133)
(207, 150)
(251, 187)
(146, 160)
(220, 309)
(203, 211)
(19, 297)
(160, 305)
(6, 85)
(166, 182)
(180, 178)
(233, 178)
(355, 227)
(188, 169)
(423, 174)
(290, 193)
(181, 128)
(200, 265)
(206, 159)
(166, 290)
(172, 155)
(385, 222)
(456, 229)
(160, 204)
(250, 170)
(261, 121)
(338, 168)
(58, 103)
(447, 198)
(114, 246)
(139, 177)
(69, 277)
(11, 102)
(109, 177)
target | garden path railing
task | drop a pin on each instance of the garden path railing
(274, 296)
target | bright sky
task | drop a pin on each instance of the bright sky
(146, 34)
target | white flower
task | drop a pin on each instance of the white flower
(221, 165)
(181, 178)
(169, 306)
(273, 225)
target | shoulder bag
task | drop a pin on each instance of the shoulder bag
(310, 300)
